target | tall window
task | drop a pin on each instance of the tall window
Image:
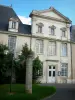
(39, 29)
(63, 49)
(13, 25)
(40, 26)
(12, 43)
(52, 31)
(52, 48)
(64, 69)
(63, 34)
(39, 46)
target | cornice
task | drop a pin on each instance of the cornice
(34, 36)
(15, 33)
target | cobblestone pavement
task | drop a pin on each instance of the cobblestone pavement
(64, 92)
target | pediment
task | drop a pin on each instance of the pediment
(52, 13)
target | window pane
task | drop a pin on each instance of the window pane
(49, 73)
(64, 69)
(39, 46)
(40, 29)
(52, 48)
(64, 49)
(53, 67)
(14, 25)
(53, 73)
(12, 43)
(63, 33)
(52, 31)
(49, 67)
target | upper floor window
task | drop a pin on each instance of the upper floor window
(14, 25)
(63, 30)
(12, 43)
(52, 48)
(64, 49)
(64, 69)
(39, 46)
(40, 27)
(63, 34)
(52, 29)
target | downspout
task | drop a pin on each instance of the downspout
(71, 55)
(31, 35)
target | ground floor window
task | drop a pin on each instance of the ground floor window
(64, 69)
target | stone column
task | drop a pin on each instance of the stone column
(29, 74)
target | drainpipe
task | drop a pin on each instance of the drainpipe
(31, 35)
(71, 58)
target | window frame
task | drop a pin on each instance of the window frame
(64, 54)
(64, 69)
(52, 31)
(52, 48)
(63, 33)
(40, 47)
(13, 25)
(12, 47)
(39, 29)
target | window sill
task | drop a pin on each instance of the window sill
(52, 55)
(52, 35)
(64, 56)
(64, 76)
(39, 32)
(63, 37)
(39, 53)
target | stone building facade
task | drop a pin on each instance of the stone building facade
(49, 38)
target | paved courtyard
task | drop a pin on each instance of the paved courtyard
(64, 92)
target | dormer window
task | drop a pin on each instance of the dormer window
(13, 24)
(63, 32)
(40, 27)
(52, 30)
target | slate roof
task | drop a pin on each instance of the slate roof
(6, 13)
(72, 29)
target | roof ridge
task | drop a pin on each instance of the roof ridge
(6, 6)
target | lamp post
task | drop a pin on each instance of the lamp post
(11, 71)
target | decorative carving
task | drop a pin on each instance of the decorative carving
(40, 24)
(63, 29)
(54, 27)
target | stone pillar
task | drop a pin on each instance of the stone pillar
(29, 74)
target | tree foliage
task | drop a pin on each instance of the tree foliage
(37, 68)
(21, 63)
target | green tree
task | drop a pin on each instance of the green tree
(3, 67)
(37, 68)
(21, 64)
